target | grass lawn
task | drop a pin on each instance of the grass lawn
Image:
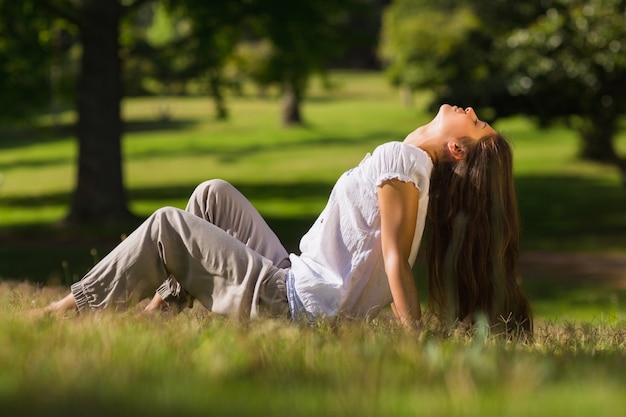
(194, 364)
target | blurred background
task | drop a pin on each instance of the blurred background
(111, 109)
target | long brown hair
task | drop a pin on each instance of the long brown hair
(473, 240)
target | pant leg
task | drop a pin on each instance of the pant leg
(224, 274)
(221, 204)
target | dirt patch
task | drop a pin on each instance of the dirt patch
(606, 269)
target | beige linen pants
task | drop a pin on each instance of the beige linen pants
(219, 249)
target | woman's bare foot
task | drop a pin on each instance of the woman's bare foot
(57, 308)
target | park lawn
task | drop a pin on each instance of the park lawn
(196, 364)
(193, 364)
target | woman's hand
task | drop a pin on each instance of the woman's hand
(154, 305)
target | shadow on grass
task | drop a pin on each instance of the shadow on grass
(569, 213)
(253, 191)
(556, 299)
(13, 138)
(228, 152)
(16, 137)
(224, 152)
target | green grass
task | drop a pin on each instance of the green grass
(195, 364)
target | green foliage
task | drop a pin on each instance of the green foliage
(304, 36)
(442, 47)
(169, 46)
(25, 51)
(252, 61)
(211, 46)
(418, 37)
(555, 60)
(576, 48)
(164, 27)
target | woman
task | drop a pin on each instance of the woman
(357, 257)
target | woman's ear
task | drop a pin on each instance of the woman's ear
(457, 151)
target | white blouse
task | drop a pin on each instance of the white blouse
(340, 270)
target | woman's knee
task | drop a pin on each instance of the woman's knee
(170, 218)
(166, 212)
(216, 187)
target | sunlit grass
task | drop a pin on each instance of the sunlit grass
(194, 364)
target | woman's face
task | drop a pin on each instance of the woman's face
(456, 122)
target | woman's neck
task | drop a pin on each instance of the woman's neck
(421, 138)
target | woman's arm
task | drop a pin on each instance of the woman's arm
(398, 202)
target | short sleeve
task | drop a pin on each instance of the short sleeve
(401, 161)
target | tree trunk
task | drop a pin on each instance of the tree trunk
(291, 104)
(215, 85)
(597, 143)
(407, 96)
(99, 194)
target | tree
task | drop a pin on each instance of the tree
(35, 28)
(578, 49)
(304, 37)
(418, 39)
(25, 51)
(555, 60)
(214, 29)
(448, 48)
(99, 195)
